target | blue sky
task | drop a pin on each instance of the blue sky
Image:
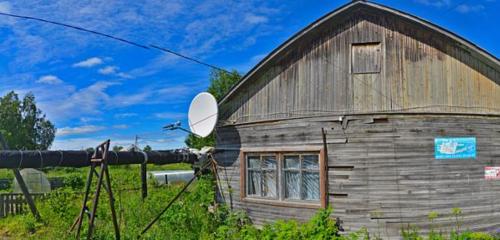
(94, 88)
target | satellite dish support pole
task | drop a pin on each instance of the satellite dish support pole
(22, 185)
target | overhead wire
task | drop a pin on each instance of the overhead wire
(123, 40)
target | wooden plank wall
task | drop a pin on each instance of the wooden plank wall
(382, 171)
(421, 71)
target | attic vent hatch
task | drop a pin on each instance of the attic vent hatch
(366, 57)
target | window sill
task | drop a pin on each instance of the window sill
(279, 203)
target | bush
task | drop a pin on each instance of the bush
(74, 181)
(195, 215)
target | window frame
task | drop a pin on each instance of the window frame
(262, 170)
(301, 170)
(280, 153)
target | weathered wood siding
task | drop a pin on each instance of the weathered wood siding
(398, 83)
(420, 71)
(382, 171)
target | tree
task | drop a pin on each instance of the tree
(117, 148)
(23, 125)
(147, 148)
(220, 84)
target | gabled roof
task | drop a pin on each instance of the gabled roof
(476, 51)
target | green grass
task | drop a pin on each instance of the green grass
(194, 216)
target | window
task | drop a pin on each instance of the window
(366, 57)
(285, 177)
(301, 177)
(262, 176)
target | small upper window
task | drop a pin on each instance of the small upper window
(366, 57)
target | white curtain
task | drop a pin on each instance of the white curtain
(292, 185)
(254, 182)
(269, 184)
(310, 186)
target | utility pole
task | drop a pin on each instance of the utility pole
(135, 142)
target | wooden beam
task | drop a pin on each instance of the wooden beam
(22, 185)
(323, 171)
(144, 180)
(242, 175)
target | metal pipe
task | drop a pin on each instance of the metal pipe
(40, 159)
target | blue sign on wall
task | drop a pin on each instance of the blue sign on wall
(455, 148)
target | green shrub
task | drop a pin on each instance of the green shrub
(476, 236)
(195, 215)
(411, 233)
(74, 181)
(321, 226)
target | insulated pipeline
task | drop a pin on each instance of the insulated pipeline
(40, 159)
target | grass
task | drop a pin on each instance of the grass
(195, 215)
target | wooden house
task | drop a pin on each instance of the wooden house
(411, 116)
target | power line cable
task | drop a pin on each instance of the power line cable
(151, 46)
(189, 58)
(76, 28)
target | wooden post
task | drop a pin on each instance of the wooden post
(22, 185)
(112, 202)
(144, 180)
(324, 170)
(79, 219)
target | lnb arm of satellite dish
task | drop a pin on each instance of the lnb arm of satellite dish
(172, 126)
(177, 125)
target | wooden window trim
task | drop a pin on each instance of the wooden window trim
(279, 201)
(380, 57)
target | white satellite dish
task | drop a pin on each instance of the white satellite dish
(202, 114)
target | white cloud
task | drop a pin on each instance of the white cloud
(124, 75)
(255, 19)
(108, 70)
(125, 100)
(86, 142)
(5, 7)
(113, 70)
(435, 3)
(120, 126)
(464, 8)
(82, 102)
(170, 115)
(125, 115)
(49, 79)
(65, 103)
(90, 119)
(175, 90)
(147, 20)
(90, 62)
(78, 130)
(75, 143)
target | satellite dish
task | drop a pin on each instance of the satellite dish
(202, 114)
